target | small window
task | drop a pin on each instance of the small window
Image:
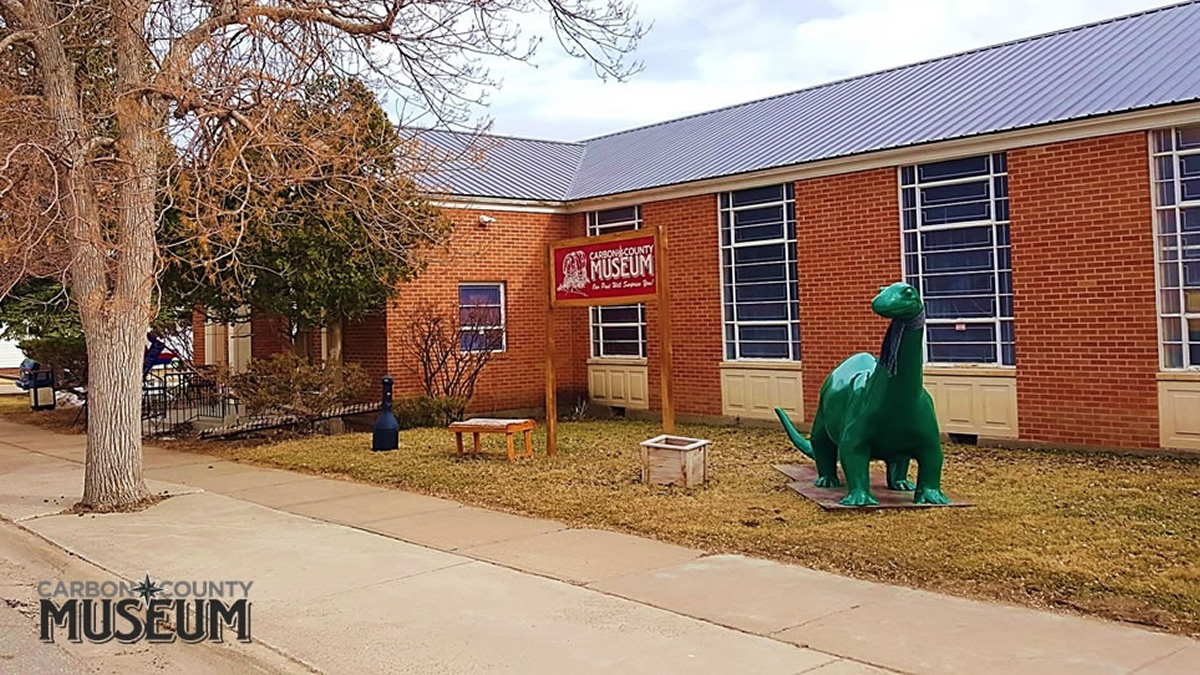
(481, 318)
(619, 331)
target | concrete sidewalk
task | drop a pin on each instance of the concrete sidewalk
(350, 578)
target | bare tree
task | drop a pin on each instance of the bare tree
(447, 349)
(108, 109)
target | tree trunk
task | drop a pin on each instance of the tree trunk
(113, 470)
(333, 333)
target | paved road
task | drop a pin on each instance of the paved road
(355, 578)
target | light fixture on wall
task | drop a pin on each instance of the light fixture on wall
(484, 221)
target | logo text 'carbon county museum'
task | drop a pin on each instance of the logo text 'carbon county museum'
(162, 611)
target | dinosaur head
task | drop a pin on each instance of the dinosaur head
(898, 301)
(902, 304)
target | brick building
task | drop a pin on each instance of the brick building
(1043, 194)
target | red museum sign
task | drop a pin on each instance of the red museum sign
(605, 270)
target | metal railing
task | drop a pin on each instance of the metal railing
(174, 401)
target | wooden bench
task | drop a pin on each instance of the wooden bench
(488, 425)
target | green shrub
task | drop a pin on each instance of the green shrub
(287, 384)
(425, 411)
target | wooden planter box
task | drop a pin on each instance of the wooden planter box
(674, 460)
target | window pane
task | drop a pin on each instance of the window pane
(1168, 275)
(1190, 219)
(954, 168)
(760, 233)
(479, 316)
(769, 214)
(966, 237)
(958, 261)
(757, 254)
(962, 353)
(761, 292)
(617, 215)
(960, 284)
(1188, 138)
(1173, 356)
(960, 308)
(1191, 301)
(970, 332)
(763, 334)
(1166, 221)
(1172, 331)
(478, 295)
(620, 314)
(773, 193)
(1169, 302)
(1163, 140)
(764, 350)
(762, 311)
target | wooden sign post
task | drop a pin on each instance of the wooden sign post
(612, 269)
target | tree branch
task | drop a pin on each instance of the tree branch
(18, 36)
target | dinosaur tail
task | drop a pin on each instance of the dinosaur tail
(794, 435)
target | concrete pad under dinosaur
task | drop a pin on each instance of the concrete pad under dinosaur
(803, 475)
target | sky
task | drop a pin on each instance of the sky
(706, 54)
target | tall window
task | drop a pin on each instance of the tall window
(954, 219)
(618, 331)
(1177, 222)
(481, 317)
(759, 275)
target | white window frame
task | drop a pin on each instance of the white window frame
(1183, 316)
(791, 255)
(998, 320)
(503, 327)
(596, 325)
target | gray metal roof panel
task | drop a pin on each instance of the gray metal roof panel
(1133, 62)
(1139, 61)
(480, 165)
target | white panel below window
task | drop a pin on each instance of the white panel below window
(753, 391)
(1179, 413)
(620, 384)
(974, 403)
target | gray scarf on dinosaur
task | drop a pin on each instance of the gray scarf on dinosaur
(889, 353)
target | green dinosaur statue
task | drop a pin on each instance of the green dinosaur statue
(878, 409)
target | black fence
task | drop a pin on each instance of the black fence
(175, 402)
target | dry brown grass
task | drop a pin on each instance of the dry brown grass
(64, 419)
(1109, 535)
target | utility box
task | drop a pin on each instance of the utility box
(674, 460)
(41, 390)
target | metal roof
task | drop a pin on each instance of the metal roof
(1133, 62)
(482, 165)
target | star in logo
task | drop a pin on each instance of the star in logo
(147, 589)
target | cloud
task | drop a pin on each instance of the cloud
(705, 54)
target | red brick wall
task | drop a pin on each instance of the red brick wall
(511, 250)
(1083, 292)
(198, 343)
(695, 278)
(365, 342)
(848, 245)
(268, 335)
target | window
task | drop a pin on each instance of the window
(1177, 227)
(760, 289)
(954, 220)
(618, 331)
(481, 317)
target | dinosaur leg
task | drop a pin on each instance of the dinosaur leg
(929, 474)
(897, 475)
(856, 466)
(825, 454)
